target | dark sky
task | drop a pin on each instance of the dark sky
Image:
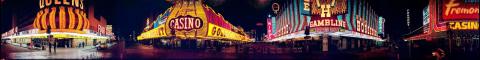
(127, 16)
(394, 12)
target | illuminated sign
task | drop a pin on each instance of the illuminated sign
(426, 15)
(456, 9)
(381, 22)
(185, 23)
(10, 32)
(223, 33)
(426, 19)
(275, 7)
(463, 25)
(101, 29)
(74, 3)
(306, 7)
(327, 22)
(154, 33)
(269, 27)
(76, 21)
(363, 27)
(327, 8)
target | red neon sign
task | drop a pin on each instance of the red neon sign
(457, 9)
(269, 28)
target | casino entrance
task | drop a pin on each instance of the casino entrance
(64, 42)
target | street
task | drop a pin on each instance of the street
(251, 51)
(15, 52)
(141, 51)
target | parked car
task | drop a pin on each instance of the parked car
(102, 46)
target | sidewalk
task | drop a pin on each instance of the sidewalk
(9, 51)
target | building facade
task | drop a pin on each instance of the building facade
(191, 23)
(330, 24)
(66, 21)
(449, 25)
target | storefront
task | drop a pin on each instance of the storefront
(452, 26)
(191, 24)
(66, 21)
(325, 25)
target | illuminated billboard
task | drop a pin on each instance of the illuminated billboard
(328, 8)
(217, 32)
(61, 16)
(269, 27)
(381, 25)
(460, 10)
(158, 32)
(193, 21)
(328, 14)
(473, 25)
(185, 23)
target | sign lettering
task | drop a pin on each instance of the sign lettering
(74, 3)
(185, 23)
(456, 10)
(217, 32)
(327, 8)
(327, 22)
(463, 25)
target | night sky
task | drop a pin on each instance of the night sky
(127, 16)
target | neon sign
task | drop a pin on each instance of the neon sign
(456, 10)
(275, 7)
(160, 31)
(306, 6)
(328, 8)
(216, 31)
(185, 23)
(463, 25)
(327, 22)
(75, 3)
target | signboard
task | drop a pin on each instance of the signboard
(463, 25)
(185, 23)
(426, 15)
(154, 33)
(275, 7)
(305, 5)
(328, 8)
(74, 3)
(381, 21)
(328, 13)
(460, 9)
(269, 27)
(327, 23)
(218, 32)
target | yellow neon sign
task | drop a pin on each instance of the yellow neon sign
(463, 25)
(223, 33)
(154, 33)
(50, 16)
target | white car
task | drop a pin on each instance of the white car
(101, 46)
